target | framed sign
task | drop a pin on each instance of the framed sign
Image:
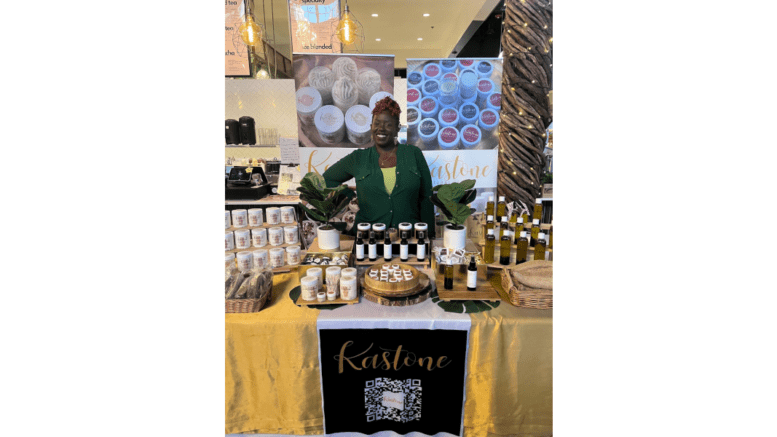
(237, 61)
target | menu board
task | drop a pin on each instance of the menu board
(236, 57)
(313, 23)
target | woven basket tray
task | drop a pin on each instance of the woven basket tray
(530, 284)
(247, 305)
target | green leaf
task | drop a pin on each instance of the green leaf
(336, 190)
(309, 194)
(324, 207)
(469, 197)
(468, 184)
(452, 307)
(444, 210)
(340, 226)
(436, 187)
(343, 202)
(315, 215)
(315, 180)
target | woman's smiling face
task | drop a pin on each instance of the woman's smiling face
(384, 129)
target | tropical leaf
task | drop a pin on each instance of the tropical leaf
(469, 197)
(309, 194)
(468, 184)
(315, 215)
(343, 202)
(315, 180)
(324, 207)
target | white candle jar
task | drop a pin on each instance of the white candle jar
(229, 241)
(348, 288)
(333, 279)
(255, 217)
(242, 239)
(273, 216)
(317, 272)
(276, 257)
(292, 255)
(227, 221)
(275, 236)
(240, 218)
(290, 235)
(260, 258)
(287, 214)
(244, 261)
(309, 288)
(259, 237)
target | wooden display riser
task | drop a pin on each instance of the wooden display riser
(285, 269)
(411, 261)
(513, 250)
(485, 291)
(544, 227)
(266, 226)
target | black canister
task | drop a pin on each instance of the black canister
(247, 130)
(232, 131)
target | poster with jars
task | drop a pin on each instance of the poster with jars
(453, 104)
(335, 95)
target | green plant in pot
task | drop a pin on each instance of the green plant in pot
(328, 202)
(453, 200)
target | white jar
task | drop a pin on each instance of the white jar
(420, 226)
(229, 257)
(308, 288)
(317, 272)
(259, 237)
(292, 255)
(330, 123)
(484, 69)
(273, 216)
(488, 121)
(287, 214)
(333, 279)
(357, 123)
(227, 221)
(260, 258)
(229, 241)
(244, 261)
(432, 71)
(308, 101)
(448, 138)
(348, 288)
(290, 235)
(277, 257)
(470, 136)
(255, 217)
(275, 236)
(413, 97)
(242, 239)
(239, 218)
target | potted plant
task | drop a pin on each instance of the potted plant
(328, 202)
(452, 200)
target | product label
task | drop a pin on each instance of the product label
(329, 119)
(412, 95)
(305, 99)
(373, 251)
(448, 87)
(450, 76)
(472, 279)
(470, 134)
(488, 117)
(428, 105)
(240, 220)
(469, 111)
(432, 70)
(360, 251)
(448, 135)
(449, 115)
(414, 78)
(466, 62)
(359, 119)
(484, 67)
(496, 99)
(468, 77)
(448, 64)
(421, 252)
(403, 251)
(431, 86)
(427, 127)
(485, 85)
(412, 115)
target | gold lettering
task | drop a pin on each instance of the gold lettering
(314, 168)
(440, 360)
(341, 358)
(386, 362)
(421, 362)
(408, 364)
(396, 358)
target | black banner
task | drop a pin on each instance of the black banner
(399, 380)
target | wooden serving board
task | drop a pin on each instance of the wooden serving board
(485, 291)
(513, 250)
(314, 303)
(345, 246)
(398, 301)
(268, 246)
(266, 226)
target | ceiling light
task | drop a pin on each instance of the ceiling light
(374, 15)
(426, 15)
(377, 39)
(420, 39)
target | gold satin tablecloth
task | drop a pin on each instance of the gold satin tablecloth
(273, 382)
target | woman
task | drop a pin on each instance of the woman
(393, 181)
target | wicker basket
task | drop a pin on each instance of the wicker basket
(530, 284)
(245, 305)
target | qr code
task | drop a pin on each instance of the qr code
(392, 399)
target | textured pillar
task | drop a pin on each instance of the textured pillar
(526, 112)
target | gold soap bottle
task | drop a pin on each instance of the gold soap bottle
(504, 249)
(518, 228)
(522, 249)
(490, 206)
(535, 230)
(489, 222)
(502, 227)
(539, 248)
(537, 209)
(501, 207)
(488, 249)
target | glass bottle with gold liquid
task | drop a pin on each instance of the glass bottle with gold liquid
(550, 237)
(535, 231)
(522, 247)
(489, 222)
(518, 228)
(490, 206)
(504, 249)
(503, 227)
(539, 248)
(448, 276)
(501, 207)
(537, 210)
(525, 217)
(488, 248)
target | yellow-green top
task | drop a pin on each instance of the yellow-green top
(389, 178)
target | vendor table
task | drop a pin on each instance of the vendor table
(272, 369)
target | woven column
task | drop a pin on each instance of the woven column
(527, 53)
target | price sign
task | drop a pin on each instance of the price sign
(289, 150)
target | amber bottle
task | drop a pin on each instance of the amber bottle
(539, 248)
(522, 248)
(535, 231)
(504, 249)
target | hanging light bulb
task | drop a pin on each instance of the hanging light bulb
(250, 32)
(346, 28)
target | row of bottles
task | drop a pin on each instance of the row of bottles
(500, 212)
(472, 275)
(540, 244)
(404, 247)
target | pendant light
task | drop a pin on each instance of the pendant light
(348, 29)
(250, 31)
